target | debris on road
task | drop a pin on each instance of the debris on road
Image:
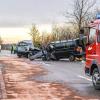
(18, 86)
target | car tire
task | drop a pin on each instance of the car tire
(96, 79)
(71, 58)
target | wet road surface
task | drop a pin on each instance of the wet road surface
(17, 74)
(69, 73)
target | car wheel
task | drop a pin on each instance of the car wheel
(71, 58)
(96, 79)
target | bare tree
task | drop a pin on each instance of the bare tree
(81, 12)
(61, 33)
(34, 33)
(46, 38)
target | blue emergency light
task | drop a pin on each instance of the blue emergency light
(98, 16)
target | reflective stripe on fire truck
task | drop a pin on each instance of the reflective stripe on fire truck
(89, 59)
(94, 55)
(90, 48)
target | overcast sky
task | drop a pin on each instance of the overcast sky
(15, 15)
(23, 12)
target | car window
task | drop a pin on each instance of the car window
(21, 44)
(77, 42)
(63, 44)
(57, 44)
(71, 44)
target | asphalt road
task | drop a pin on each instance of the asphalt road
(69, 73)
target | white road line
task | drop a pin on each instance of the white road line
(45, 64)
(84, 78)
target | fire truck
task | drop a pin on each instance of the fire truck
(92, 64)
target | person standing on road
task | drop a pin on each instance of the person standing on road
(12, 49)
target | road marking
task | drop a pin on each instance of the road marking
(84, 78)
(45, 64)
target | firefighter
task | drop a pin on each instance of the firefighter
(12, 49)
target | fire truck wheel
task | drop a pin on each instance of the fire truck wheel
(96, 79)
(71, 58)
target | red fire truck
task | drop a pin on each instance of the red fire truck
(92, 65)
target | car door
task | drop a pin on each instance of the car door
(59, 50)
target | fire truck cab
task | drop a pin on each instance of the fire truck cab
(92, 65)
